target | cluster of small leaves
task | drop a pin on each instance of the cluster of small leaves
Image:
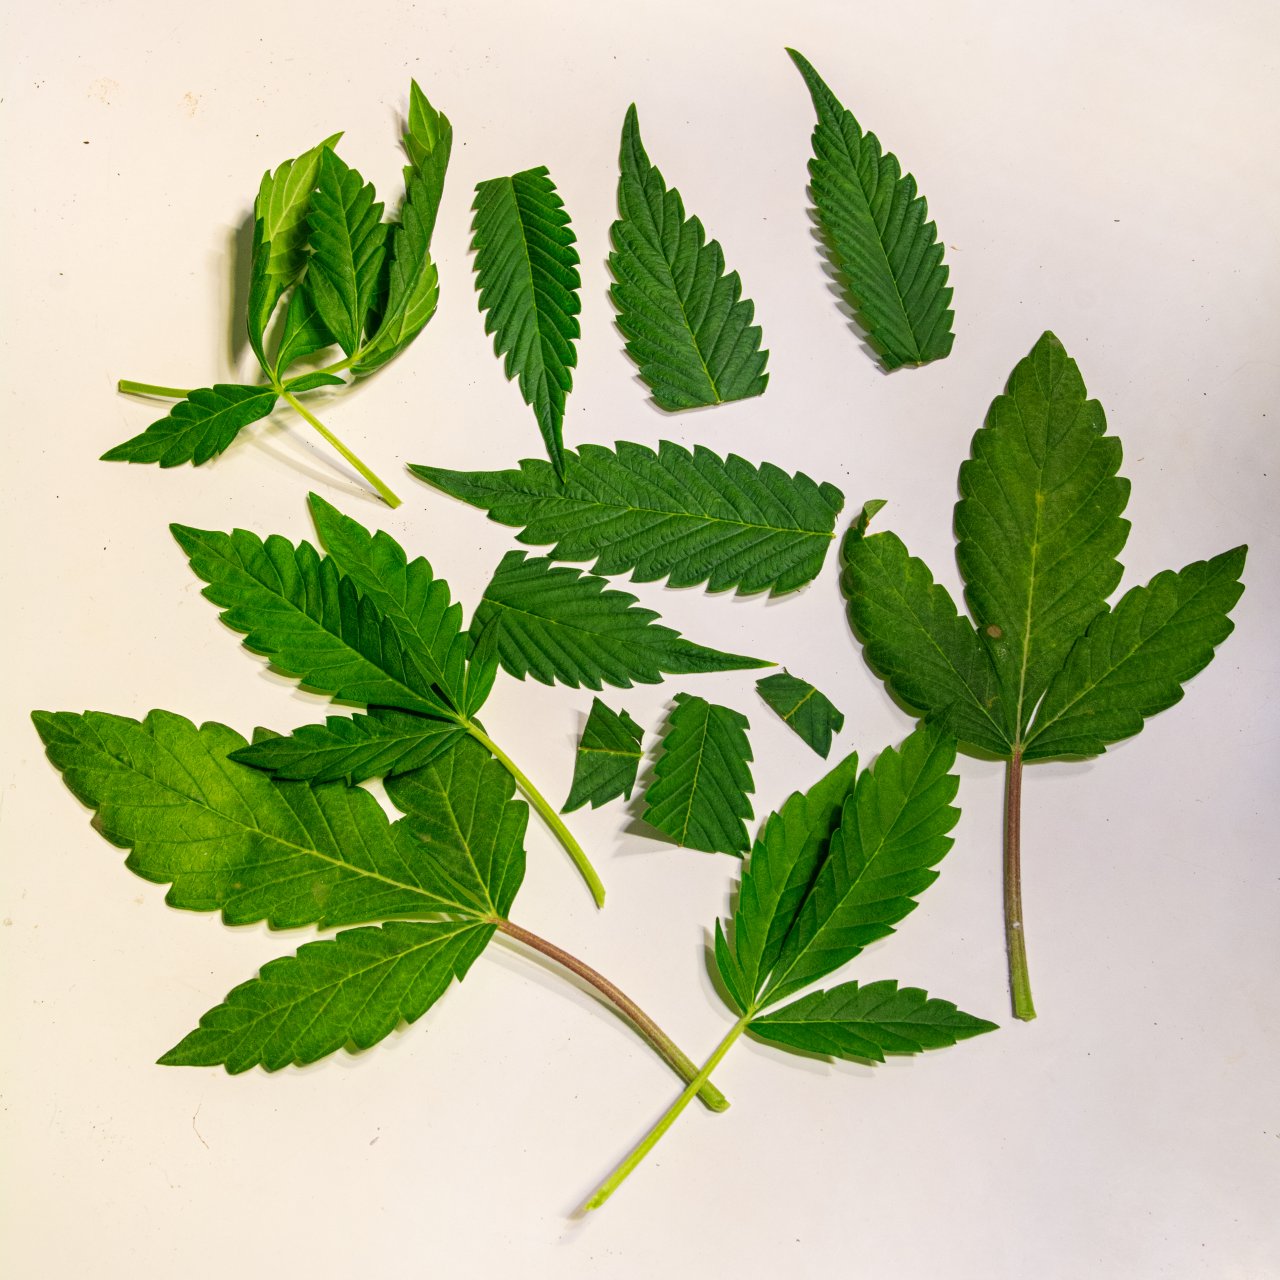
(343, 276)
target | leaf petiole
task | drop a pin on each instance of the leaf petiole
(383, 492)
(663, 1045)
(650, 1140)
(125, 387)
(1015, 936)
(549, 815)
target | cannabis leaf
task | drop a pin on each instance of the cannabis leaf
(607, 759)
(528, 282)
(346, 279)
(803, 708)
(687, 517)
(702, 778)
(560, 624)
(198, 427)
(1046, 669)
(831, 871)
(889, 257)
(687, 326)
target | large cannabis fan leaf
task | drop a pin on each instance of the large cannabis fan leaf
(889, 256)
(687, 326)
(702, 778)
(687, 517)
(555, 623)
(527, 278)
(1045, 669)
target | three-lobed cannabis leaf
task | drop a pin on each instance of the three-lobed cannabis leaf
(688, 517)
(607, 759)
(702, 779)
(834, 869)
(528, 282)
(804, 709)
(344, 278)
(888, 256)
(687, 325)
(1046, 669)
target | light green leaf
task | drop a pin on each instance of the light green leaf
(557, 623)
(867, 1022)
(311, 381)
(803, 708)
(406, 592)
(889, 256)
(280, 230)
(607, 760)
(1039, 524)
(348, 240)
(352, 990)
(295, 608)
(304, 332)
(792, 844)
(1133, 661)
(893, 831)
(228, 838)
(428, 140)
(197, 428)
(353, 748)
(461, 807)
(527, 278)
(702, 778)
(687, 517)
(687, 326)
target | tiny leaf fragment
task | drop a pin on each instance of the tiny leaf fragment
(607, 758)
(806, 710)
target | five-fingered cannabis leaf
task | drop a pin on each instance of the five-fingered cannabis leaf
(687, 517)
(687, 325)
(830, 872)
(365, 624)
(889, 258)
(226, 837)
(1047, 669)
(346, 279)
(527, 278)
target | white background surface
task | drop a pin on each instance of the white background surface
(1105, 171)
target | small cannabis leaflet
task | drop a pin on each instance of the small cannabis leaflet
(342, 276)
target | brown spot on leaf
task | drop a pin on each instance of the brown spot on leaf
(994, 632)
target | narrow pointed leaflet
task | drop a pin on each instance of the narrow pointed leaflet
(702, 778)
(687, 325)
(343, 277)
(228, 838)
(528, 282)
(802, 708)
(874, 222)
(607, 759)
(559, 624)
(688, 517)
(835, 868)
(1047, 669)
(365, 624)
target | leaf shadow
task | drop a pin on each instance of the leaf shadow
(838, 284)
(239, 256)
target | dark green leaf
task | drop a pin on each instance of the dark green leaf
(889, 256)
(527, 277)
(304, 333)
(353, 748)
(229, 838)
(1134, 660)
(803, 708)
(461, 807)
(352, 990)
(348, 239)
(312, 623)
(867, 1022)
(1039, 524)
(687, 326)
(687, 517)
(608, 758)
(892, 832)
(702, 778)
(557, 623)
(792, 844)
(197, 428)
